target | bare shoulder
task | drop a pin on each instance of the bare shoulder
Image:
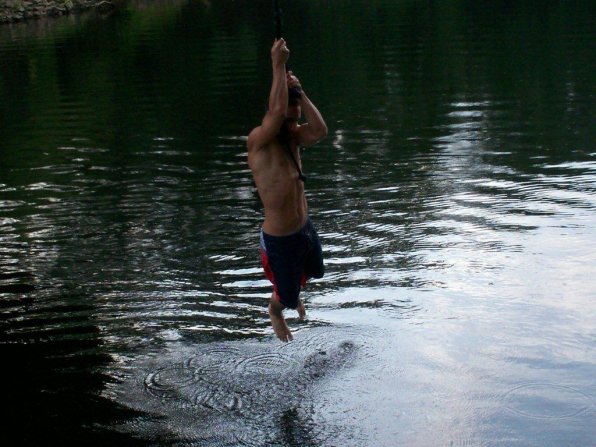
(253, 140)
(261, 136)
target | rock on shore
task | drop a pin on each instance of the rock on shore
(16, 10)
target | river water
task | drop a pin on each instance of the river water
(455, 197)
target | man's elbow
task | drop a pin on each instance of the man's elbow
(322, 132)
(319, 135)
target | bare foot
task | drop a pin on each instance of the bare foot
(301, 310)
(278, 322)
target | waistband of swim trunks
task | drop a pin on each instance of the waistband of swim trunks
(287, 236)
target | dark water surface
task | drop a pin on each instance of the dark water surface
(455, 197)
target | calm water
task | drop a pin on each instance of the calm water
(455, 197)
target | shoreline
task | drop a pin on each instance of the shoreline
(12, 11)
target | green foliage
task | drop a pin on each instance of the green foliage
(68, 4)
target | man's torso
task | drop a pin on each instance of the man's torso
(279, 186)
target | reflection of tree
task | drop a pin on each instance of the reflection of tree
(51, 358)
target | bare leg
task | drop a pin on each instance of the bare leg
(278, 322)
(301, 310)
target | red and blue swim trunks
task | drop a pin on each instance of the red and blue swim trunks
(290, 260)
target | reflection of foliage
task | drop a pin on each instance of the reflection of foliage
(11, 10)
(177, 57)
(73, 57)
(107, 66)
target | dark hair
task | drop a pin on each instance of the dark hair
(294, 94)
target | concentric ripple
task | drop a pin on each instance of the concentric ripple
(547, 401)
(166, 383)
(265, 364)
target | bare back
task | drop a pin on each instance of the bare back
(279, 186)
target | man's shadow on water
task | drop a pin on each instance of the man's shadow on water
(295, 431)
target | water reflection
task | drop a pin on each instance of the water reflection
(455, 199)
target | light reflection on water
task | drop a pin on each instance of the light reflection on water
(456, 210)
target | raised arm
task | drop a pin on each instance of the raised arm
(315, 129)
(278, 99)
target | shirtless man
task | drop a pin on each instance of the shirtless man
(290, 248)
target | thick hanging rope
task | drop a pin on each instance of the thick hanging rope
(295, 92)
(277, 11)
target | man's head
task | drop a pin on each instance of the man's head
(294, 109)
(294, 93)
